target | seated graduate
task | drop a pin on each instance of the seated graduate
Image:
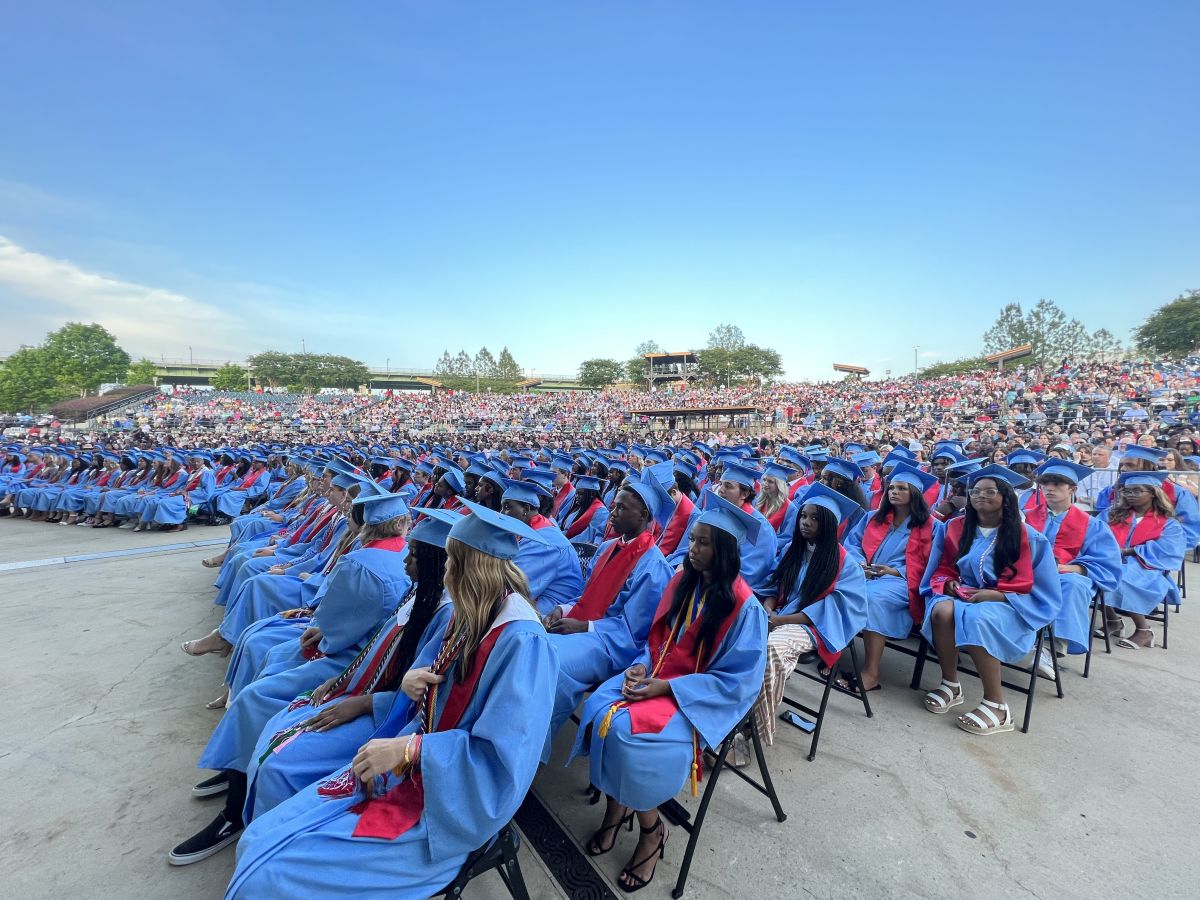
(365, 587)
(1152, 543)
(562, 489)
(321, 730)
(991, 585)
(550, 565)
(736, 485)
(605, 630)
(695, 681)
(234, 498)
(585, 520)
(817, 599)
(893, 545)
(683, 494)
(1085, 550)
(843, 476)
(173, 508)
(489, 490)
(442, 776)
(775, 500)
(1149, 459)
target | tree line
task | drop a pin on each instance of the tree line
(728, 358)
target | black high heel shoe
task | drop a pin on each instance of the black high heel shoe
(595, 848)
(630, 882)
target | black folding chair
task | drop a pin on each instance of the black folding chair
(584, 552)
(679, 816)
(500, 853)
(812, 725)
(1044, 634)
(1101, 608)
(1164, 617)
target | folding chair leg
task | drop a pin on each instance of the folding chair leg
(922, 655)
(510, 873)
(1087, 659)
(1054, 659)
(862, 692)
(1037, 652)
(1166, 622)
(761, 756)
(698, 820)
(812, 747)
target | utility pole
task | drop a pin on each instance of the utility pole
(915, 349)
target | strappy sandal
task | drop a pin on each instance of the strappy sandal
(630, 882)
(595, 848)
(945, 697)
(210, 564)
(975, 725)
(1111, 628)
(1128, 644)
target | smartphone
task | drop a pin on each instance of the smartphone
(799, 721)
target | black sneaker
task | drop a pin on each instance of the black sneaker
(216, 836)
(212, 787)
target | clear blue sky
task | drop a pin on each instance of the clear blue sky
(390, 179)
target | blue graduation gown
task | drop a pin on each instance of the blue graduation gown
(758, 559)
(594, 532)
(613, 642)
(475, 776)
(1143, 589)
(552, 570)
(1005, 630)
(645, 770)
(840, 615)
(172, 510)
(887, 596)
(1101, 559)
(365, 587)
(311, 755)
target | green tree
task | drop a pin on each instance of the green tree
(636, 369)
(726, 337)
(144, 371)
(463, 364)
(729, 365)
(1105, 345)
(273, 368)
(230, 377)
(1046, 327)
(1173, 329)
(599, 373)
(485, 364)
(445, 364)
(507, 368)
(962, 366)
(27, 382)
(85, 356)
(1008, 331)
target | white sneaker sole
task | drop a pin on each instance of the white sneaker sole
(186, 859)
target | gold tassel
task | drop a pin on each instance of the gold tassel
(695, 780)
(607, 721)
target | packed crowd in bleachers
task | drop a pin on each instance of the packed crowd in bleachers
(410, 619)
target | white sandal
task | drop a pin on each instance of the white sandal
(940, 703)
(1127, 643)
(975, 725)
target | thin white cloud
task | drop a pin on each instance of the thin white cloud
(928, 354)
(145, 320)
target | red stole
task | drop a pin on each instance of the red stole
(829, 657)
(104, 479)
(798, 485)
(1150, 528)
(170, 482)
(1018, 582)
(580, 525)
(673, 533)
(394, 544)
(1071, 531)
(609, 574)
(916, 557)
(560, 497)
(538, 522)
(932, 494)
(306, 534)
(398, 810)
(1169, 489)
(194, 481)
(682, 658)
(250, 478)
(222, 472)
(776, 518)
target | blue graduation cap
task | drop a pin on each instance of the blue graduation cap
(587, 483)
(1149, 454)
(998, 473)
(818, 494)
(563, 463)
(478, 469)
(906, 473)
(740, 474)
(775, 470)
(542, 478)
(961, 469)
(655, 456)
(794, 457)
(720, 513)
(896, 457)
(1023, 456)
(844, 467)
(866, 458)
(454, 477)
(347, 480)
(1144, 479)
(434, 526)
(619, 465)
(1063, 468)
(852, 447)
(526, 492)
(491, 532)
(650, 488)
(947, 451)
(379, 505)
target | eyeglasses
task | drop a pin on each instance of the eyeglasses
(985, 493)
(1135, 489)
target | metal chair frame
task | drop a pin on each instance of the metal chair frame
(817, 716)
(500, 854)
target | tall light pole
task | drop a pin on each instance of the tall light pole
(303, 349)
(915, 349)
(388, 366)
